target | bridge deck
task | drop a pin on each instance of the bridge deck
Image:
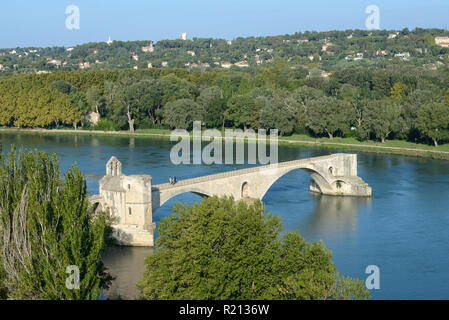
(217, 176)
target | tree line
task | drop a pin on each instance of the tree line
(394, 101)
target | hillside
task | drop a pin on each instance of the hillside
(321, 52)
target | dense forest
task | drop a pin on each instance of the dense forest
(376, 99)
(397, 100)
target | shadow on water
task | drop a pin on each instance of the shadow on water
(127, 266)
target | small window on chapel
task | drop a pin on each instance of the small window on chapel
(129, 210)
(129, 187)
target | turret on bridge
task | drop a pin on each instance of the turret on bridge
(133, 200)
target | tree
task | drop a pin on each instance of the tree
(433, 121)
(211, 98)
(381, 118)
(281, 114)
(242, 111)
(220, 249)
(64, 87)
(123, 94)
(429, 40)
(328, 115)
(381, 82)
(46, 226)
(398, 91)
(353, 95)
(93, 97)
(305, 94)
(181, 113)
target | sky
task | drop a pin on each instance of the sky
(42, 23)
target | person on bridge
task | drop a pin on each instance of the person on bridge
(170, 180)
(175, 180)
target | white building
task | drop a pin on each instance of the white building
(226, 65)
(393, 35)
(55, 62)
(242, 64)
(149, 48)
(442, 41)
(183, 36)
(403, 55)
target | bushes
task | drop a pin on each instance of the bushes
(220, 249)
(105, 125)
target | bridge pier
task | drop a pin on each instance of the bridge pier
(132, 200)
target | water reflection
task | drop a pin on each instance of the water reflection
(334, 216)
(126, 265)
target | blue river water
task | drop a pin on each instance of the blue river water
(403, 229)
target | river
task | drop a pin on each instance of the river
(402, 229)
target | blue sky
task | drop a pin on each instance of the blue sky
(42, 23)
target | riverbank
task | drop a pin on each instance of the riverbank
(390, 146)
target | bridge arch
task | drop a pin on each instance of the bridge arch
(245, 190)
(159, 197)
(320, 182)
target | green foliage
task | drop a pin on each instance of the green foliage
(220, 249)
(105, 125)
(398, 91)
(381, 118)
(429, 40)
(260, 96)
(328, 115)
(433, 121)
(181, 114)
(212, 100)
(242, 111)
(47, 225)
(281, 114)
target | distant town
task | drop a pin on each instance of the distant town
(325, 51)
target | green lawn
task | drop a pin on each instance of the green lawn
(388, 143)
(154, 131)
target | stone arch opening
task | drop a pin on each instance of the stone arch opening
(318, 183)
(97, 207)
(341, 185)
(245, 190)
(160, 197)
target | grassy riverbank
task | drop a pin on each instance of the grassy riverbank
(390, 146)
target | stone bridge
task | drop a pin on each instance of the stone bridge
(132, 200)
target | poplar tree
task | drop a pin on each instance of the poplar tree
(48, 230)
